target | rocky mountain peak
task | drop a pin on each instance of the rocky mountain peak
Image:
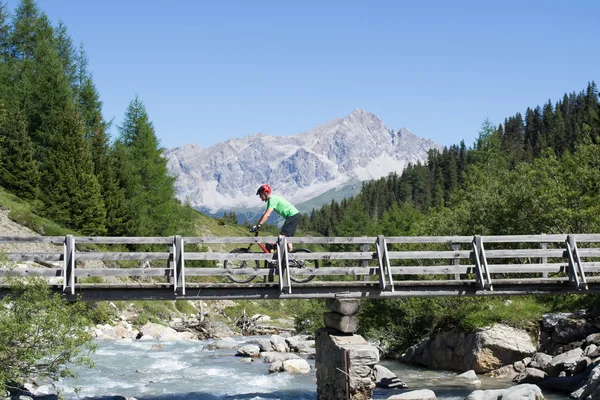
(356, 147)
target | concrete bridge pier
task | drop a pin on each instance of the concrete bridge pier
(345, 362)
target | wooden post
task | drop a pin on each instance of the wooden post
(69, 264)
(385, 277)
(544, 260)
(284, 265)
(365, 247)
(483, 275)
(576, 274)
(171, 278)
(179, 266)
(456, 248)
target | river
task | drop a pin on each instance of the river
(188, 370)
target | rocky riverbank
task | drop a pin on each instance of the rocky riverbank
(565, 358)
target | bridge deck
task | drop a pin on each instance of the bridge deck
(360, 267)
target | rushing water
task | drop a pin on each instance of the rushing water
(188, 370)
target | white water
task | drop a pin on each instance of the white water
(187, 370)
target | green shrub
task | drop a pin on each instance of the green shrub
(36, 326)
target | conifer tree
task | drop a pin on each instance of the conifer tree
(149, 190)
(19, 171)
(75, 200)
(66, 53)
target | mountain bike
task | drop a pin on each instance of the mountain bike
(269, 248)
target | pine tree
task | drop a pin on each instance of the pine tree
(75, 200)
(66, 53)
(19, 171)
(149, 189)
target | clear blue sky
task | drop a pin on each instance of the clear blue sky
(208, 71)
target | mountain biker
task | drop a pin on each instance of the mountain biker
(281, 207)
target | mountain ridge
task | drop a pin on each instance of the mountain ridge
(300, 167)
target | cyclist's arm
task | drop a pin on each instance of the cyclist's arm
(265, 216)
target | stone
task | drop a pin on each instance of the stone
(272, 356)
(225, 343)
(540, 361)
(345, 366)
(423, 394)
(250, 350)
(530, 375)
(342, 323)
(276, 366)
(384, 378)
(296, 366)
(344, 307)
(519, 392)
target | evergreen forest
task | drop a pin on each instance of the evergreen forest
(55, 147)
(537, 172)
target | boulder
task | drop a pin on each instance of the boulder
(483, 351)
(519, 392)
(530, 375)
(384, 378)
(423, 394)
(296, 366)
(250, 350)
(271, 356)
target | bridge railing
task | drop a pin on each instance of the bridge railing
(353, 266)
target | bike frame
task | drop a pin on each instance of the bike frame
(261, 245)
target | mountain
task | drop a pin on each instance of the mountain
(300, 167)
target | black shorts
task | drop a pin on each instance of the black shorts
(290, 225)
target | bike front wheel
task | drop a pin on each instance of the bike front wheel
(240, 264)
(304, 264)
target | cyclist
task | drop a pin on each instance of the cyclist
(281, 207)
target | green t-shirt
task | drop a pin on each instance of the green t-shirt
(281, 206)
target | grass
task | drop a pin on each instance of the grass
(22, 212)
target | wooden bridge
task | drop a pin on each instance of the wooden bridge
(349, 267)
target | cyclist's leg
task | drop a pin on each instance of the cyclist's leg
(289, 228)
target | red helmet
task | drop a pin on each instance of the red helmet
(266, 189)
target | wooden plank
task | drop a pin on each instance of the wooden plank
(123, 240)
(408, 255)
(273, 239)
(292, 256)
(525, 253)
(45, 272)
(428, 239)
(115, 256)
(122, 272)
(32, 239)
(13, 256)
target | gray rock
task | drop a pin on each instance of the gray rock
(482, 351)
(564, 361)
(250, 350)
(342, 323)
(276, 366)
(384, 378)
(263, 343)
(530, 375)
(422, 394)
(271, 356)
(540, 361)
(344, 307)
(225, 343)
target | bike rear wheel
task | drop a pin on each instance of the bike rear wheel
(240, 264)
(304, 264)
